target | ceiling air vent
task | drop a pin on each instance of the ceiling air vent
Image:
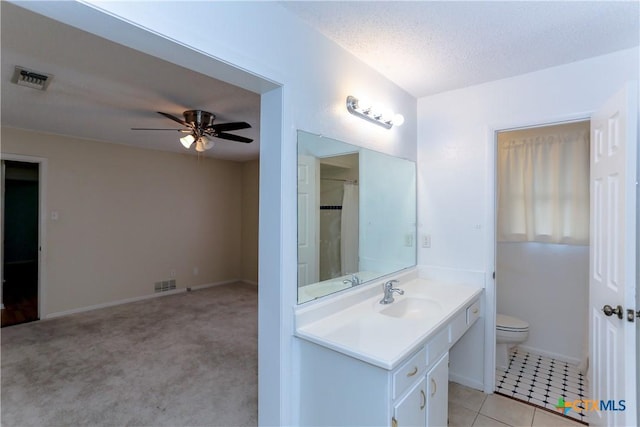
(29, 78)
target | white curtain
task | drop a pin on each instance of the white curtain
(349, 229)
(543, 186)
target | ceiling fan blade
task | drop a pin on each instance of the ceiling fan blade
(223, 127)
(175, 130)
(175, 119)
(231, 137)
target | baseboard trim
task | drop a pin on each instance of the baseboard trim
(210, 285)
(135, 299)
(561, 357)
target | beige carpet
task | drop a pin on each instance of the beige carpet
(181, 360)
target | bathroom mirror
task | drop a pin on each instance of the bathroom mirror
(356, 215)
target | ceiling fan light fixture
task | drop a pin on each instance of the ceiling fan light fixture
(207, 142)
(204, 143)
(187, 140)
(201, 130)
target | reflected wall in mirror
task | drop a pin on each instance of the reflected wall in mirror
(356, 215)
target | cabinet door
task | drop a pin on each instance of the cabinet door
(437, 384)
(411, 409)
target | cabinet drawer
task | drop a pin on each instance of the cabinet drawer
(408, 373)
(473, 312)
(458, 326)
(437, 346)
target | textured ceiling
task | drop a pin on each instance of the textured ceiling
(428, 47)
(100, 89)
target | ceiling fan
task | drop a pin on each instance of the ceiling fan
(200, 129)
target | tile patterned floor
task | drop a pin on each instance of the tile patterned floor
(472, 408)
(542, 381)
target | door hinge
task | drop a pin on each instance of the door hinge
(631, 315)
(494, 274)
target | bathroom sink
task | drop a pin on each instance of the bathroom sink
(413, 308)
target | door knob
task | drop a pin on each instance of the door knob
(608, 311)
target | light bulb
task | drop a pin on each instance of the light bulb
(398, 119)
(377, 111)
(364, 104)
(386, 115)
(207, 143)
(187, 140)
(199, 146)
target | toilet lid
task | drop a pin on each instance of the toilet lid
(508, 323)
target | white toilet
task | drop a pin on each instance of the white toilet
(510, 331)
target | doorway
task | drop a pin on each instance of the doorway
(542, 263)
(20, 243)
(338, 215)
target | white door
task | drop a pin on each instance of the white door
(438, 393)
(308, 220)
(612, 260)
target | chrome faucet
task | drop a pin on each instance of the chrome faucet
(388, 292)
(355, 280)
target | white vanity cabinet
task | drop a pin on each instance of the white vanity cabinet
(342, 389)
(426, 403)
(437, 383)
(412, 408)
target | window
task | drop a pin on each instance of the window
(543, 184)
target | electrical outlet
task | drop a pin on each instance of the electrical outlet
(172, 273)
(426, 241)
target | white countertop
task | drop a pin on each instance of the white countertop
(362, 332)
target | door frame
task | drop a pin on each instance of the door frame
(42, 222)
(490, 231)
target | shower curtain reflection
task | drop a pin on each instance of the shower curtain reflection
(349, 229)
(330, 240)
(339, 218)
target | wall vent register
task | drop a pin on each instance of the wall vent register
(29, 78)
(165, 285)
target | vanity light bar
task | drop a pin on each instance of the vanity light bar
(357, 108)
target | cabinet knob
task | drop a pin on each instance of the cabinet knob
(435, 387)
(412, 373)
(424, 400)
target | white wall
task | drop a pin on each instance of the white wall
(456, 143)
(129, 217)
(456, 155)
(305, 80)
(547, 286)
